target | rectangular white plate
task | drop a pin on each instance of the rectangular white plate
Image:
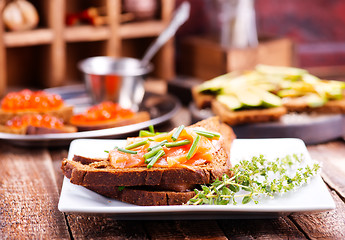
(313, 197)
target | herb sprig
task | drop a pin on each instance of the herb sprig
(257, 177)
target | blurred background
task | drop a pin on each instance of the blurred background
(41, 41)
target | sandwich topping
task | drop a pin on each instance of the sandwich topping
(181, 147)
(103, 112)
(27, 100)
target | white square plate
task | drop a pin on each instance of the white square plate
(313, 197)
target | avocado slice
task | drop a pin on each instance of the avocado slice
(270, 100)
(314, 100)
(229, 101)
(279, 70)
(249, 98)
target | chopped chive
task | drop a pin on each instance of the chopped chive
(177, 144)
(192, 149)
(177, 133)
(155, 158)
(145, 133)
(136, 144)
(120, 188)
(152, 153)
(151, 129)
(207, 134)
(157, 145)
(126, 151)
(157, 133)
(106, 151)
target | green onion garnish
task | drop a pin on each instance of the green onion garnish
(120, 188)
(157, 145)
(177, 133)
(155, 158)
(177, 144)
(207, 133)
(151, 129)
(126, 151)
(106, 151)
(145, 133)
(192, 149)
(136, 144)
(152, 153)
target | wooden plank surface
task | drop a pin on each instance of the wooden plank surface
(29, 195)
(279, 228)
(332, 157)
(184, 230)
(324, 225)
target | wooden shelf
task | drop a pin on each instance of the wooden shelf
(141, 29)
(60, 43)
(28, 38)
(86, 33)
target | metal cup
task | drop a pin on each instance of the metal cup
(119, 80)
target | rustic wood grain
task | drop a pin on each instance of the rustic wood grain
(324, 225)
(184, 230)
(279, 228)
(332, 157)
(97, 227)
(57, 156)
(29, 196)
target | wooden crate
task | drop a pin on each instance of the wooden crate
(205, 59)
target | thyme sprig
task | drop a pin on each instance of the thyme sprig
(257, 177)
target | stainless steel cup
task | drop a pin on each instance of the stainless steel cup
(116, 79)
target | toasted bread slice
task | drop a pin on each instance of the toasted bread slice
(142, 196)
(33, 130)
(137, 118)
(298, 105)
(247, 116)
(85, 172)
(64, 113)
(201, 100)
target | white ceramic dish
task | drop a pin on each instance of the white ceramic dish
(313, 197)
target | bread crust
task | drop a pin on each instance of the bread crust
(32, 130)
(247, 116)
(137, 118)
(143, 197)
(64, 113)
(332, 106)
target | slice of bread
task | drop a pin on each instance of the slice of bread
(64, 113)
(143, 197)
(247, 116)
(298, 105)
(100, 176)
(242, 116)
(33, 130)
(201, 100)
(137, 118)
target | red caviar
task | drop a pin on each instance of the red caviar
(31, 100)
(103, 112)
(36, 120)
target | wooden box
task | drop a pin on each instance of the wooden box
(206, 59)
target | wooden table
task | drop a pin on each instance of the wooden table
(31, 179)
